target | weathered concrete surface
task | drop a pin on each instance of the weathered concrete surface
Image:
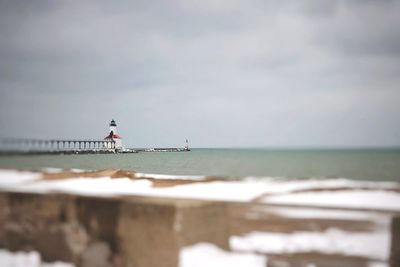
(89, 231)
(152, 231)
(46, 223)
(395, 243)
(97, 254)
(149, 232)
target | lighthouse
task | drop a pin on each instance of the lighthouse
(187, 146)
(113, 136)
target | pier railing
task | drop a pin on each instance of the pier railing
(26, 144)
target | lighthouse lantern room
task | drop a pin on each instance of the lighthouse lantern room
(113, 136)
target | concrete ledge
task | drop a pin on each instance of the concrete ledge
(135, 231)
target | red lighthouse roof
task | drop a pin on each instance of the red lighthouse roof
(113, 136)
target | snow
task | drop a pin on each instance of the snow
(282, 186)
(378, 195)
(374, 245)
(26, 259)
(328, 194)
(104, 186)
(11, 178)
(217, 190)
(316, 213)
(360, 199)
(209, 255)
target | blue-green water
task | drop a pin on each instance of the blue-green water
(365, 164)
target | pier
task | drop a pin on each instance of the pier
(167, 149)
(18, 146)
(55, 145)
(112, 143)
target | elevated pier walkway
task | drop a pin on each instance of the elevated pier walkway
(25, 145)
(10, 146)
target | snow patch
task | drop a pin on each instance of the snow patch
(315, 213)
(277, 186)
(374, 245)
(104, 186)
(206, 254)
(383, 200)
(26, 259)
(12, 178)
(380, 195)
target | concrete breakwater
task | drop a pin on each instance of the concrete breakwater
(67, 216)
(64, 152)
(89, 151)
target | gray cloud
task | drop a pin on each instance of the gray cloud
(222, 73)
(362, 28)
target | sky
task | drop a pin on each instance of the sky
(228, 73)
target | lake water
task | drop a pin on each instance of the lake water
(362, 164)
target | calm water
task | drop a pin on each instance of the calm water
(354, 164)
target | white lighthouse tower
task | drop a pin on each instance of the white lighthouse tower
(114, 136)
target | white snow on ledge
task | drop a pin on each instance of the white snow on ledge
(380, 200)
(26, 259)
(102, 186)
(379, 195)
(373, 245)
(317, 213)
(12, 178)
(209, 255)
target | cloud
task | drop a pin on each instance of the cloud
(362, 28)
(225, 73)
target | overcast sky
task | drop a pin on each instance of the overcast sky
(220, 73)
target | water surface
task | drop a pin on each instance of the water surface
(365, 164)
